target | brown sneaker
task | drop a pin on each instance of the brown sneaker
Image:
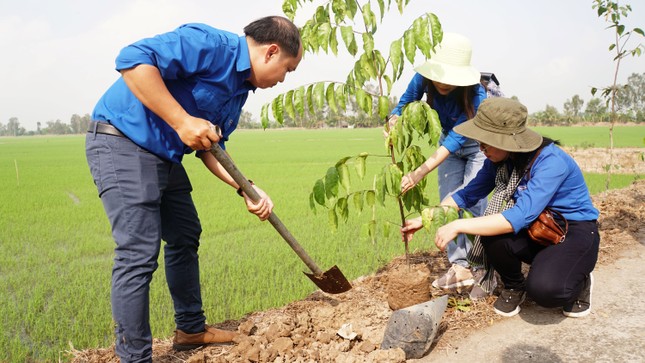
(210, 336)
(457, 276)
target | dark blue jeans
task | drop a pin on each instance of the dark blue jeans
(146, 199)
(557, 272)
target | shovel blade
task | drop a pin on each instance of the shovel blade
(331, 281)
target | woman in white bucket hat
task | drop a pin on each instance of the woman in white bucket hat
(452, 87)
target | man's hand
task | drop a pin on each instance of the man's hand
(198, 133)
(263, 207)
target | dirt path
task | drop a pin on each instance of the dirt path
(613, 332)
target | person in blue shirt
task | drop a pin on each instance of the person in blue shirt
(560, 274)
(453, 89)
(179, 92)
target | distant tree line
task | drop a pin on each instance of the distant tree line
(630, 108)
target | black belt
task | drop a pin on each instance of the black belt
(103, 128)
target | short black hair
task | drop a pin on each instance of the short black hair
(275, 29)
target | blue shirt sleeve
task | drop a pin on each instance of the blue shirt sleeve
(478, 188)
(453, 140)
(188, 50)
(414, 92)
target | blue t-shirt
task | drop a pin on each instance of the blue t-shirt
(447, 107)
(206, 71)
(556, 181)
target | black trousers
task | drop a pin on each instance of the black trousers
(557, 272)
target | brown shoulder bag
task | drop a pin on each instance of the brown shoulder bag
(545, 230)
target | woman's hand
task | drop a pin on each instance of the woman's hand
(411, 226)
(408, 182)
(446, 234)
(391, 123)
(263, 207)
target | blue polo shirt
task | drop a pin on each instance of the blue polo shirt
(204, 68)
(450, 114)
(556, 181)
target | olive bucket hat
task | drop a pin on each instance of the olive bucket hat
(450, 62)
(501, 123)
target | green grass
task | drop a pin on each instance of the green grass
(56, 248)
(596, 136)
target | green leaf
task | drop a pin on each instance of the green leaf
(341, 97)
(381, 189)
(372, 228)
(339, 8)
(383, 107)
(319, 192)
(395, 178)
(396, 57)
(368, 43)
(333, 219)
(299, 101)
(278, 109)
(434, 123)
(347, 32)
(381, 6)
(310, 101)
(289, 9)
(312, 202)
(370, 198)
(324, 32)
(331, 182)
(438, 217)
(288, 104)
(352, 7)
(319, 95)
(620, 29)
(264, 115)
(342, 161)
(343, 174)
(452, 214)
(639, 31)
(388, 82)
(367, 67)
(367, 16)
(333, 41)
(466, 214)
(387, 228)
(360, 165)
(437, 32)
(358, 201)
(426, 218)
(331, 98)
(342, 208)
(409, 45)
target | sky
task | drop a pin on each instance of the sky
(58, 56)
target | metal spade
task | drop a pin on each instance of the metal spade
(331, 281)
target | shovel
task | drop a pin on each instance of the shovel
(331, 281)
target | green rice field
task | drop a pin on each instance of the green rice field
(56, 248)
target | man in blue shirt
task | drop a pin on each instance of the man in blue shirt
(180, 91)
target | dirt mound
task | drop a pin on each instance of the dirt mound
(306, 330)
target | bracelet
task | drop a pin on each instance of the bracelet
(239, 190)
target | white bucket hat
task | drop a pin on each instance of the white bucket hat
(450, 63)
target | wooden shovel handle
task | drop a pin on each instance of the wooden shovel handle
(239, 178)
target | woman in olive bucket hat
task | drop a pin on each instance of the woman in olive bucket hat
(452, 88)
(523, 186)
